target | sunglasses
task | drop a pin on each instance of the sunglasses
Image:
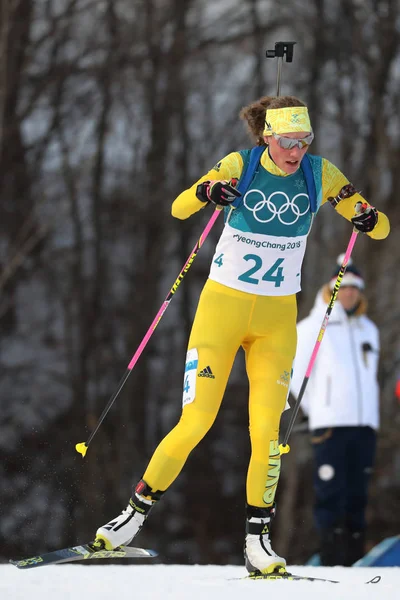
(289, 143)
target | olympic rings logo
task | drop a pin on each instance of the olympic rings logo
(288, 212)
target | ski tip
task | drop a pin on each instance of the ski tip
(81, 448)
(26, 563)
(375, 579)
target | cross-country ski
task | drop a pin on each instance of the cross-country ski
(286, 576)
(82, 552)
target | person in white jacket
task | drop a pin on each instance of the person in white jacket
(341, 402)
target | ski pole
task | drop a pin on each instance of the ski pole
(281, 49)
(83, 446)
(285, 448)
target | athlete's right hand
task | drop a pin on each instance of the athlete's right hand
(221, 193)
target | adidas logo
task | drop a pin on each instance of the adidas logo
(206, 373)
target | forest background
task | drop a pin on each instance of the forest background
(108, 109)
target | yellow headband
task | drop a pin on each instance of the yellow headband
(287, 120)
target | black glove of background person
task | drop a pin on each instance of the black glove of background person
(221, 193)
(366, 219)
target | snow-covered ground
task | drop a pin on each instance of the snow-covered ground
(179, 582)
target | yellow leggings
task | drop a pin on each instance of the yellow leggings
(265, 326)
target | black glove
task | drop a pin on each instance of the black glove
(366, 219)
(222, 193)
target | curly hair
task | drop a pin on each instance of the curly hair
(254, 113)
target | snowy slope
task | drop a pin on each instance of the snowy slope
(178, 582)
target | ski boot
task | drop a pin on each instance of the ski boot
(121, 530)
(258, 554)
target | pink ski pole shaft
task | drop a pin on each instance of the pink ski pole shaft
(284, 448)
(83, 446)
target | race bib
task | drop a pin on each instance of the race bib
(258, 264)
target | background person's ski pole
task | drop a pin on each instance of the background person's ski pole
(282, 49)
(284, 447)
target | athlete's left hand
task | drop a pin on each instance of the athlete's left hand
(366, 218)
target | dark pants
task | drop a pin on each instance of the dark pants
(344, 457)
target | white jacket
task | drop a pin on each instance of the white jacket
(343, 388)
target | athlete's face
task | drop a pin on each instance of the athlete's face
(349, 296)
(287, 160)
